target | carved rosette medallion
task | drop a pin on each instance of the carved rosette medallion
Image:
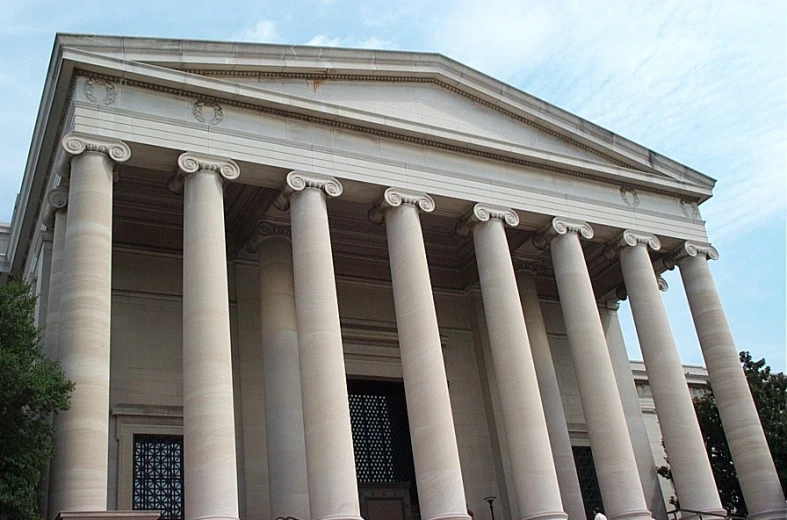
(630, 196)
(100, 91)
(688, 249)
(689, 208)
(561, 226)
(77, 143)
(299, 181)
(395, 197)
(484, 213)
(207, 112)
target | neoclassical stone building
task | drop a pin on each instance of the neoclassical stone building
(328, 283)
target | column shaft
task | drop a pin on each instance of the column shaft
(289, 493)
(330, 462)
(439, 476)
(535, 478)
(79, 468)
(562, 453)
(691, 471)
(52, 328)
(613, 454)
(748, 446)
(211, 486)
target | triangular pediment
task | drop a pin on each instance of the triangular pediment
(418, 95)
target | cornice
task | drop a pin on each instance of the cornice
(561, 226)
(299, 181)
(394, 198)
(356, 127)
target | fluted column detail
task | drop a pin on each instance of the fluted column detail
(79, 468)
(562, 453)
(289, 492)
(691, 470)
(748, 446)
(210, 478)
(613, 454)
(435, 453)
(535, 479)
(330, 462)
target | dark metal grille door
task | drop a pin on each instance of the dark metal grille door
(381, 433)
(158, 474)
(588, 482)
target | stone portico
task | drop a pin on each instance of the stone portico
(231, 238)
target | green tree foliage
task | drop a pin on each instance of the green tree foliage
(769, 391)
(31, 389)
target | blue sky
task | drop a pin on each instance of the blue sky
(702, 82)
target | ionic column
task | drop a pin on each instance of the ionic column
(330, 462)
(691, 470)
(79, 468)
(613, 454)
(562, 453)
(289, 492)
(210, 478)
(535, 478)
(753, 462)
(58, 200)
(435, 453)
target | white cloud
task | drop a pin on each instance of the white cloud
(321, 40)
(264, 31)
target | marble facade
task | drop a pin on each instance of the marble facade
(223, 234)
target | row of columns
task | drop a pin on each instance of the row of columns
(302, 341)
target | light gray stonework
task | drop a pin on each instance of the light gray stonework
(176, 318)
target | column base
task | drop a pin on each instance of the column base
(547, 515)
(632, 515)
(450, 516)
(108, 515)
(771, 514)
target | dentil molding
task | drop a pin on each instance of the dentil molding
(688, 249)
(562, 226)
(77, 143)
(395, 197)
(484, 213)
(299, 181)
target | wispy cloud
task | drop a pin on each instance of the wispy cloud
(264, 31)
(372, 42)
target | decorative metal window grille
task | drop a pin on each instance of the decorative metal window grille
(381, 433)
(588, 482)
(158, 474)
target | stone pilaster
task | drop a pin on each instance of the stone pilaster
(330, 462)
(535, 478)
(289, 492)
(210, 478)
(748, 446)
(613, 454)
(435, 453)
(562, 453)
(79, 468)
(691, 470)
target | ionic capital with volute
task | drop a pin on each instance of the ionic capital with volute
(263, 229)
(57, 199)
(687, 249)
(299, 181)
(396, 197)
(193, 162)
(533, 266)
(562, 226)
(631, 238)
(484, 213)
(77, 143)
